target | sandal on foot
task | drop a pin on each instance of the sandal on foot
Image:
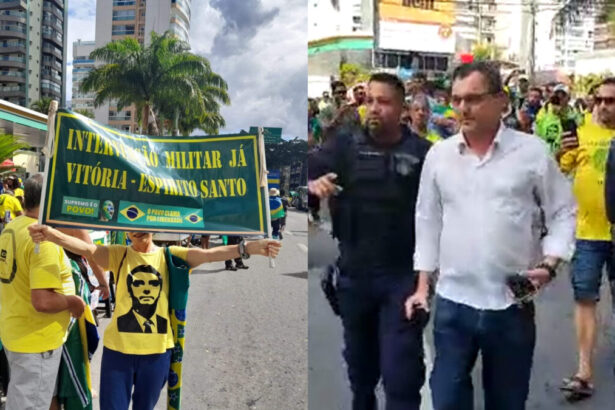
(577, 388)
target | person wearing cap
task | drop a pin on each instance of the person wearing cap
(276, 208)
(551, 119)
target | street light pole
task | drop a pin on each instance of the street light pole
(533, 41)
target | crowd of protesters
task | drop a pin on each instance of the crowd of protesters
(520, 178)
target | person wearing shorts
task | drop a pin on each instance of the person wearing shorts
(37, 300)
(594, 246)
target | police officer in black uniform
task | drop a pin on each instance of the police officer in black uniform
(372, 177)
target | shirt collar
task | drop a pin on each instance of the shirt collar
(498, 142)
(142, 321)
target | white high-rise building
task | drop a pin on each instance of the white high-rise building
(576, 38)
(32, 50)
(338, 31)
(512, 33)
(82, 65)
(346, 17)
(136, 18)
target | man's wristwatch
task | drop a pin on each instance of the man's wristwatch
(549, 268)
(242, 250)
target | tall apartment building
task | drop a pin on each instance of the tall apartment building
(82, 65)
(32, 50)
(574, 39)
(136, 18)
(475, 22)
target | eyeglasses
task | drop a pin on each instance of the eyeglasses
(470, 99)
(606, 100)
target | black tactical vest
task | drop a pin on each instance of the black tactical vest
(373, 217)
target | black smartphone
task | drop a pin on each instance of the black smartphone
(420, 317)
(521, 287)
(569, 125)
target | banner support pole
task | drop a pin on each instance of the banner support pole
(264, 185)
(48, 152)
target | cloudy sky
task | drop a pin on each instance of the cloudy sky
(258, 46)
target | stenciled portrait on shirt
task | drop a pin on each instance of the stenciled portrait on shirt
(144, 285)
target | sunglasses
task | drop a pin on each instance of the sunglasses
(606, 100)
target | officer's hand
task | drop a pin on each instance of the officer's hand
(76, 305)
(417, 301)
(324, 186)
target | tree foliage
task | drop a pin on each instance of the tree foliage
(285, 153)
(42, 105)
(163, 79)
(86, 113)
(585, 84)
(351, 74)
(9, 144)
(485, 51)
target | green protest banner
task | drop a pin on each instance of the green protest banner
(102, 178)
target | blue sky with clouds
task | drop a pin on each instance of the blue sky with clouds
(258, 46)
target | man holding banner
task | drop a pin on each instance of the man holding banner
(138, 341)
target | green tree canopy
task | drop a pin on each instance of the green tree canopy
(285, 153)
(86, 113)
(351, 74)
(42, 105)
(163, 78)
(485, 51)
(9, 144)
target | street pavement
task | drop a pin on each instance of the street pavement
(554, 358)
(246, 332)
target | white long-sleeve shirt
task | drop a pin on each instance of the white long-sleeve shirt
(476, 218)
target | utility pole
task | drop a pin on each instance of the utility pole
(480, 21)
(533, 11)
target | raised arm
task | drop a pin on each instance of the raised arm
(99, 254)
(264, 247)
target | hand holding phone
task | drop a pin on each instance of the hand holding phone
(522, 288)
(570, 139)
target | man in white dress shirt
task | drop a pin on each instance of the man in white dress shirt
(475, 223)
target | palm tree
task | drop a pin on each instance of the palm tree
(86, 113)
(9, 144)
(42, 105)
(163, 77)
(201, 110)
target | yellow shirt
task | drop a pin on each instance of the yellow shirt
(22, 328)
(9, 203)
(362, 110)
(588, 162)
(140, 323)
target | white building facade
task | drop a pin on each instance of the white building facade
(82, 65)
(136, 18)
